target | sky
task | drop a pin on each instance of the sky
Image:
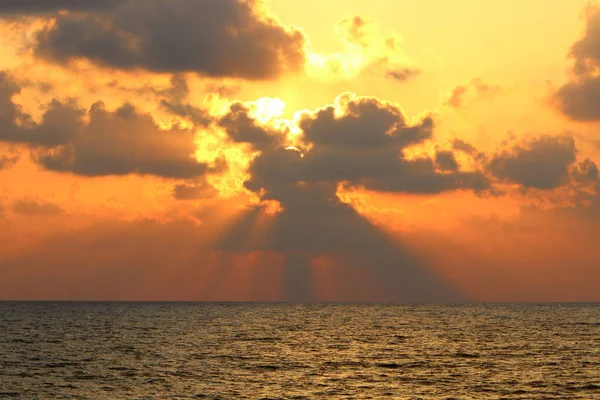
(273, 150)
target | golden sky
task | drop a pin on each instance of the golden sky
(347, 150)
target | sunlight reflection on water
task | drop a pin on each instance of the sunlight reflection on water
(255, 351)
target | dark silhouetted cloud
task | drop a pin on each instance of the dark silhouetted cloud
(241, 127)
(218, 38)
(197, 115)
(196, 191)
(99, 142)
(446, 161)
(585, 172)
(578, 99)
(124, 142)
(50, 6)
(313, 223)
(586, 51)
(60, 121)
(174, 101)
(539, 163)
(359, 142)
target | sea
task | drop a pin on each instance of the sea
(105, 350)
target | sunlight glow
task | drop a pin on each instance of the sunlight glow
(335, 66)
(294, 148)
(268, 109)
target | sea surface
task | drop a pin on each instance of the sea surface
(294, 351)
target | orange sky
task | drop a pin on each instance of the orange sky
(275, 150)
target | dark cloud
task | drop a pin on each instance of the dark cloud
(241, 127)
(50, 6)
(124, 142)
(9, 111)
(174, 100)
(540, 163)
(365, 123)
(99, 142)
(60, 121)
(360, 141)
(357, 142)
(35, 207)
(585, 172)
(315, 223)
(446, 161)
(586, 51)
(198, 116)
(179, 89)
(578, 99)
(465, 147)
(196, 191)
(218, 38)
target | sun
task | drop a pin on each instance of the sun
(267, 109)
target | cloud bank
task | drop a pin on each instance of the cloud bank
(213, 38)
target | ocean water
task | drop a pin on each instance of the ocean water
(288, 351)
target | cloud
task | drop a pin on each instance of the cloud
(366, 49)
(586, 51)
(315, 223)
(124, 142)
(216, 38)
(60, 121)
(540, 163)
(242, 127)
(545, 162)
(585, 172)
(468, 148)
(25, 7)
(476, 89)
(578, 98)
(456, 97)
(196, 191)
(174, 101)
(402, 74)
(99, 142)
(8, 160)
(446, 161)
(359, 141)
(197, 115)
(35, 207)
